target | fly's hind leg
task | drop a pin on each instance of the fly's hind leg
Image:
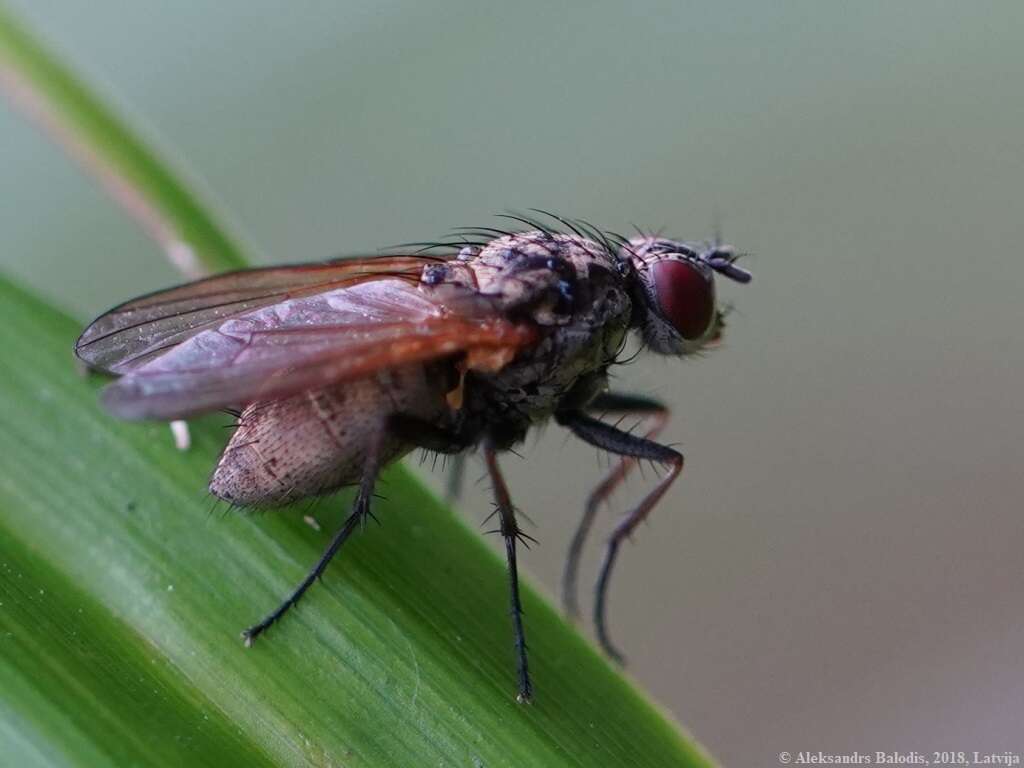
(608, 403)
(511, 533)
(360, 511)
(614, 440)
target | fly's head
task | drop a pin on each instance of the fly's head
(675, 306)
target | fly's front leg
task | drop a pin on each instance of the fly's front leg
(360, 511)
(610, 403)
(511, 533)
(621, 443)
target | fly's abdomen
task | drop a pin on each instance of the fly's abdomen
(316, 442)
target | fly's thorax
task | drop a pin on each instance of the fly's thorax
(531, 269)
(315, 442)
(584, 314)
(533, 387)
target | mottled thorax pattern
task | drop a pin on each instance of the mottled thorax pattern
(571, 287)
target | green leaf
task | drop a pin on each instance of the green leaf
(123, 595)
(123, 587)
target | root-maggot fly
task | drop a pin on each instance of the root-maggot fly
(335, 369)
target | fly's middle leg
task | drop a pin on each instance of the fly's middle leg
(456, 477)
(446, 438)
(511, 533)
(360, 511)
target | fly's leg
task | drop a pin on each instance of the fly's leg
(612, 404)
(456, 475)
(442, 438)
(360, 511)
(621, 443)
(511, 533)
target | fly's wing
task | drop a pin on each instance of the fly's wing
(133, 333)
(311, 342)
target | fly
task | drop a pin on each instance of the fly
(337, 369)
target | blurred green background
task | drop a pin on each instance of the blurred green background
(848, 532)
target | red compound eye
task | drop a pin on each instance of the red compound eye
(686, 298)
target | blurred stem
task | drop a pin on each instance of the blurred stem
(131, 172)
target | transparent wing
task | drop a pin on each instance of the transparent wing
(308, 343)
(129, 335)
